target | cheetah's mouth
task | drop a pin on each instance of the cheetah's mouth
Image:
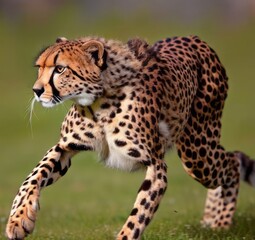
(48, 103)
(80, 99)
(53, 100)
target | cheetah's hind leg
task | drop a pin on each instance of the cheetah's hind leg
(221, 202)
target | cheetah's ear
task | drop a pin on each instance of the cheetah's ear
(96, 50)
(61, 39)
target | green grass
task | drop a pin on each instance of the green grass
(91, 201)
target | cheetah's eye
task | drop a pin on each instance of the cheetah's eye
(59, 69)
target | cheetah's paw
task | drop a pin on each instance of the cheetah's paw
(22, 222)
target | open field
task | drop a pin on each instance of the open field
(91, 201)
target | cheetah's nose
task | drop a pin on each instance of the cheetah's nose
(38, 92)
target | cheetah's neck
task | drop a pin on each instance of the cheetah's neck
(122, 66)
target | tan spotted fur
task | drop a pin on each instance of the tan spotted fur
(132, 102)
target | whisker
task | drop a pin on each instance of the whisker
(60, 101)
(57, 99)
(31, 111)
(64, 105)
(29, 106)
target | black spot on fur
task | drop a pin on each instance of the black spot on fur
(145, 186)
(134, 153)
(120, 143)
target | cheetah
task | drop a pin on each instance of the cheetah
(133, 102)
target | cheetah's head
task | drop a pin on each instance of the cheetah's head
(70, 70)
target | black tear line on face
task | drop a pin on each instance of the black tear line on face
(55, 92)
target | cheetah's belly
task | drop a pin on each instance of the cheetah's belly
(120, 161)
(117, 157)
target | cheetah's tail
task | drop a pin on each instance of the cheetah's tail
(247, 168)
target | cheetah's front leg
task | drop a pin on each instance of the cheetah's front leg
(147, 202)
(26, 203)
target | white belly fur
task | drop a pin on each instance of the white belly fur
(119, 160)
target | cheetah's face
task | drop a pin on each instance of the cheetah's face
(69, 70)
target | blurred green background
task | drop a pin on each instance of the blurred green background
(91, 201)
